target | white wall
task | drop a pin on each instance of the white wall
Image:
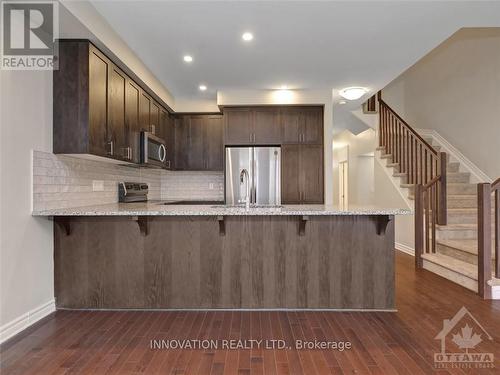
(455, 90)
(387, 195)
(258, 97)
(26, 253)
(360, 160)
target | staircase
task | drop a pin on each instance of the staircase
(447, 234)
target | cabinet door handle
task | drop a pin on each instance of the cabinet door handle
(129, 153)
(153, 129)
(111, 148)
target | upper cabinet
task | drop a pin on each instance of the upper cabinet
(98, 109)
(273, 125)
(199, 142)
(238, 126)
(252, 126)
(302, 125)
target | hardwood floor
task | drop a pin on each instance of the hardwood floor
(118, 342)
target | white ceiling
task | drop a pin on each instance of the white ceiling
(306, 45)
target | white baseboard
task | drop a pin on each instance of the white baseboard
(477, 174)
(27, 319)
(405, 249)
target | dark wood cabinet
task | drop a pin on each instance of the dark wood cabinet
(267, 126)
(167, 133)
(302, 125)
(302, 174)
(98, 109)
(154, 118)
(248, 126)
(145, 111)
(199, 142)
(238, 126)
(290, 186)
(132, 120)
(117, 126)
(99, 67)
(213, 144)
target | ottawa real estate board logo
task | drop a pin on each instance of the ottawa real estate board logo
(463, 335)
(29, 30)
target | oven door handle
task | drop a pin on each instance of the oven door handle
(162, 153)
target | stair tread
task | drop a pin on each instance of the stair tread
(459, 266)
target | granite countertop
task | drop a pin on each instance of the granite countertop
(156, 208)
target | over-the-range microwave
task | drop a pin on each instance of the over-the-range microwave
(153, 151)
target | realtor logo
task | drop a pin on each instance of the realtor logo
(465, 333)
(29, 30)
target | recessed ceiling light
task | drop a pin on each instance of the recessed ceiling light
(203, 88)
(342, 102)
(188, 58)
(353, 93)
(247, 36)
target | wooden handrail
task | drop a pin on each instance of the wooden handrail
(484, 224)
(422, 166)
(496, 184)
(408, 126)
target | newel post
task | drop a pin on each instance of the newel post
(442, 218)
(419, 225)
(484, 239)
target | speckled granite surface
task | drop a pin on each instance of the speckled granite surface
(159, 209)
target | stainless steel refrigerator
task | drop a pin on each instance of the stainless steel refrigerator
(260, 168)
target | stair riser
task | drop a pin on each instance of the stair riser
(464, 218)
(463, 203)
(460, 189)
(463, 178)
(456, 277)
(457, 254)
(466, 234)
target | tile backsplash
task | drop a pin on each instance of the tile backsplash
(61, 181)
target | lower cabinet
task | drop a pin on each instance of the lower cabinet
(302, 174)
(199, 143)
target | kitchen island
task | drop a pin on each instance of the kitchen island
(155, 256)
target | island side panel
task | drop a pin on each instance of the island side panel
(261, 262)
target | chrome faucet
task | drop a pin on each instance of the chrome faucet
(244, 175)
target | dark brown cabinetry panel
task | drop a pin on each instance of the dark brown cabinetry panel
(98, 103)
(145, 111)
(302, 174)
(290, 187)
(199, 142)
(167, 133)
(311, 173)
(238, 125)
(302, 125)
(132, 123)
(117, 126)
(154, 118)
(213, 145)
(261, 262)
(266, 126)
(312, 126)
(290, 118)
(196, 140)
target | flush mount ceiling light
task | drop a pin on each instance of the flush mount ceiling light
(247, 36)
(203, 88)
(188, 58)
(353, 93)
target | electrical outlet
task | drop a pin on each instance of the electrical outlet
(97, 185)
(211, 186)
